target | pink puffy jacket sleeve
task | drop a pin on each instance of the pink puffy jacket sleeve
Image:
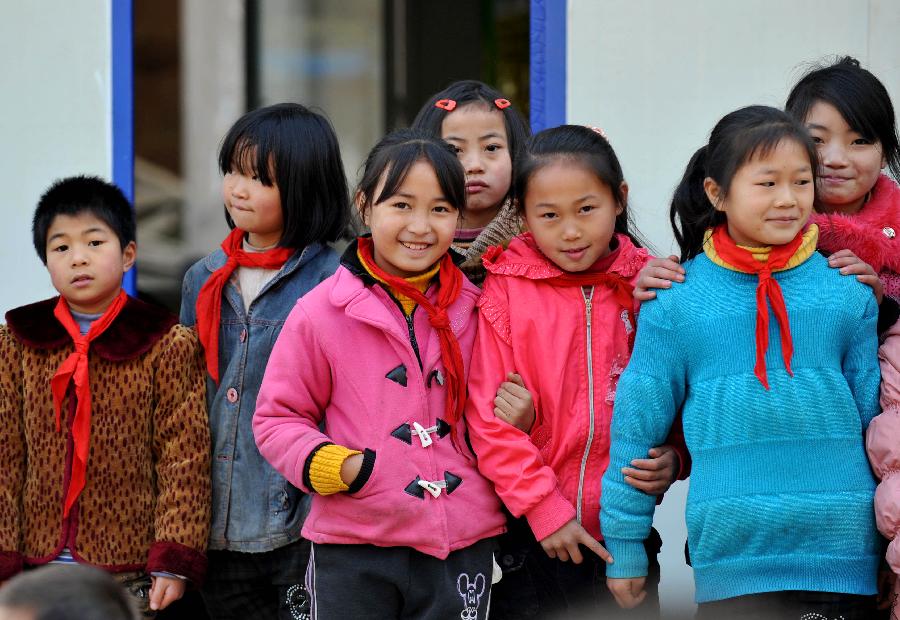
(506, 456)
(295, 390)
(883, 445)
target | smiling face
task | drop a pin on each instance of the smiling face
(571, 213)
(254, 207)
(86, 261)
(849, 163)
(770, 197)
(414, 228)
(478, 134)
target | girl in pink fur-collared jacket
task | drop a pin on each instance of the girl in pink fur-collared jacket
(850, 117)
(361, 405)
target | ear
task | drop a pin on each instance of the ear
(480, 582)
(359, 200)
(129, 255)
(713, 192)
(623, 189)
(462, 586)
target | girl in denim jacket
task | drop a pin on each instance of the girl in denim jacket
(285, 196)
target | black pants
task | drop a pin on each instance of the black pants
(268, 585)
(791, 605)
(537, 586)
(364, 581)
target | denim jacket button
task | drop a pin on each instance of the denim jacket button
(243, 335)
(231, 395)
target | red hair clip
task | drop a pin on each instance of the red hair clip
(445, 104)
(502, 104)
(597, 130)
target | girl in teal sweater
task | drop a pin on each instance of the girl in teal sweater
(771, 357)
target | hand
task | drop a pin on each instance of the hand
(164, 591)
(655, 475)
(658, 273)
(513, 403)
(563, 543)
(350, 468)
(886, 581)
(629, 592)
(851, 265)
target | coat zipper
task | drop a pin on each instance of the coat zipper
(588, 296)
(412, 335)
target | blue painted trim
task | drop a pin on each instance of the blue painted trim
(123, 108)
(548, 63)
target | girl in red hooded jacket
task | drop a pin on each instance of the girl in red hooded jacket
(557, 309)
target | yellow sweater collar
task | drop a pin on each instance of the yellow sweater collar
(806, 249)
(419, 282)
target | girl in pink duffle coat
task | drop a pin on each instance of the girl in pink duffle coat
(362, 399)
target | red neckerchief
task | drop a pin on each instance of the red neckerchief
(75, 367)
(767, 287)
(450, 283)
(209, 301)
(596, 275)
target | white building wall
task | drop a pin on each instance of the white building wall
(657, 75)
(54, 119)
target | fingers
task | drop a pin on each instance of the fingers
(157, 592)
(874, 282)
(515, 378)
(650, 487)
(629, 593)
(642, 294)
(588, 541)
(164, 591)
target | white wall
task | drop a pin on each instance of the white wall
(657, 75)
(54, 119)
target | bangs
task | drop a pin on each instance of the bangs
(252, 158)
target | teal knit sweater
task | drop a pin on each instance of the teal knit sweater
(781, 492)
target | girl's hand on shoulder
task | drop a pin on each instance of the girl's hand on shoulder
(513, 403)
(164, 591)
(656, 474)
(629, 592)
(658, 273)
(851, 265)
(563, 544)
(350, 468)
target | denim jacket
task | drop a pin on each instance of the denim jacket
(254, 508)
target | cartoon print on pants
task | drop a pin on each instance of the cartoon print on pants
(471, 593)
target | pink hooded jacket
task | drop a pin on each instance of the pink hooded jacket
(569, 346)
(883, 446)
(345, 358)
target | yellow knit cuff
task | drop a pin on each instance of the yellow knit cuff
(325, 469)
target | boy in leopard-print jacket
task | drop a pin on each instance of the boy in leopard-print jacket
(104, 443)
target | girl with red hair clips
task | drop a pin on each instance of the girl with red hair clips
(487, 132)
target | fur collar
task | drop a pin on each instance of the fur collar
(863, 233)
(137, 328)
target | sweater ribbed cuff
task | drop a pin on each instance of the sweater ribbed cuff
(325, 469)
(629, 558)
(550, 514)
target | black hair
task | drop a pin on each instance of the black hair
(291, 146)
(68, 593)
(83, 194)
(430, 118)
(754, 131)
(396, 153)
(859, 96)
(581, 146)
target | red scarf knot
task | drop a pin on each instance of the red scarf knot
(209, 301)
(75, 369)
(768, 291)
(450, 283)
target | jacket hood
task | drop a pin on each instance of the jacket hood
(871, 233)
(522, 259)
